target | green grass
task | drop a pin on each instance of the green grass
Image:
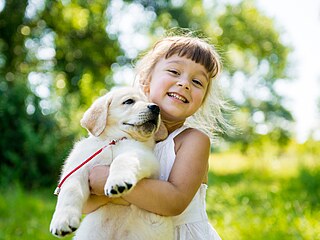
(26, 215)
(255, 197)
(258, 196)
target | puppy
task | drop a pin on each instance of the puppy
(122, 125)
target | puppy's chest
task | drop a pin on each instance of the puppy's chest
(111, 151)
(106, 156)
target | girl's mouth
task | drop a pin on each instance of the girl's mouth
(177, 96)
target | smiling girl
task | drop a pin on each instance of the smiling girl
(179, 75)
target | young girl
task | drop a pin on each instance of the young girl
(179, 75)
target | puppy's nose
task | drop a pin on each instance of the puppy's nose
(154, 108)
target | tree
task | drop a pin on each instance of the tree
(57, 56)
(254, 59)
(28, 152)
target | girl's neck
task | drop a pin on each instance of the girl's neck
(172, 126)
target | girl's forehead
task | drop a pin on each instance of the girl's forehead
(194, 49)
(183, 61)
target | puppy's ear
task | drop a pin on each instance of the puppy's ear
(95, 118)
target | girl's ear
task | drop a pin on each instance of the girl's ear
(146, 89)
(95, 118)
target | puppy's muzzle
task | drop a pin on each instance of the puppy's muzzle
(148, 119)
(154, 114)
(154, 109)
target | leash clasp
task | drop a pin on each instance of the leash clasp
(57, 191)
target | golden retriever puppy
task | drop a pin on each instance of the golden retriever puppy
(121, 126)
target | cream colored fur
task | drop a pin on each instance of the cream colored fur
(121, 113)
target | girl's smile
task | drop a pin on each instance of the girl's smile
(178, 97)
(178, 86)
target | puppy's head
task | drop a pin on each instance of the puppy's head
(122, 112)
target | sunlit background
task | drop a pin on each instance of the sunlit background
(301, 29)
(56, 57)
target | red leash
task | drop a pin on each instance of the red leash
(113, 142)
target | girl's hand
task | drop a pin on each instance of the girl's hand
(97, 179)
(98, 176)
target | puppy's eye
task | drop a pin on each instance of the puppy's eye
(129, 101)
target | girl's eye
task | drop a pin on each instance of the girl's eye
(172, 71)
(197, 82)
(129, 101)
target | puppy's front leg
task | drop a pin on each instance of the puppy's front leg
(66, 218)
(126, 170)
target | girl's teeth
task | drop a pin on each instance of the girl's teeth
(178, 97)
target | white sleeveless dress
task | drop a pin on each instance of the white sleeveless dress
(193, 223)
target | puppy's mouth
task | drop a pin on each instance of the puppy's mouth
(152, 123)
(145, 123)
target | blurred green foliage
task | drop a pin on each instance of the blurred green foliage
(56, 57)
(31, 144)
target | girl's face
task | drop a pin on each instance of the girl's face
(178, 86)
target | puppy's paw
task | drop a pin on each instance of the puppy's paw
(64, 222)
(117, 186)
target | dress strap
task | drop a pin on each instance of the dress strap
(165, 153)
(178, 131)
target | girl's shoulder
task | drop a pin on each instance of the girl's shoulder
(191, 137)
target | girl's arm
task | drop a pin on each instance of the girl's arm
(170, 198)
(94, 202)
(97, 178)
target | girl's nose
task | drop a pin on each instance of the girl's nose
(184, 83)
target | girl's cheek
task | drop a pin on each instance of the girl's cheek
(153, 99)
